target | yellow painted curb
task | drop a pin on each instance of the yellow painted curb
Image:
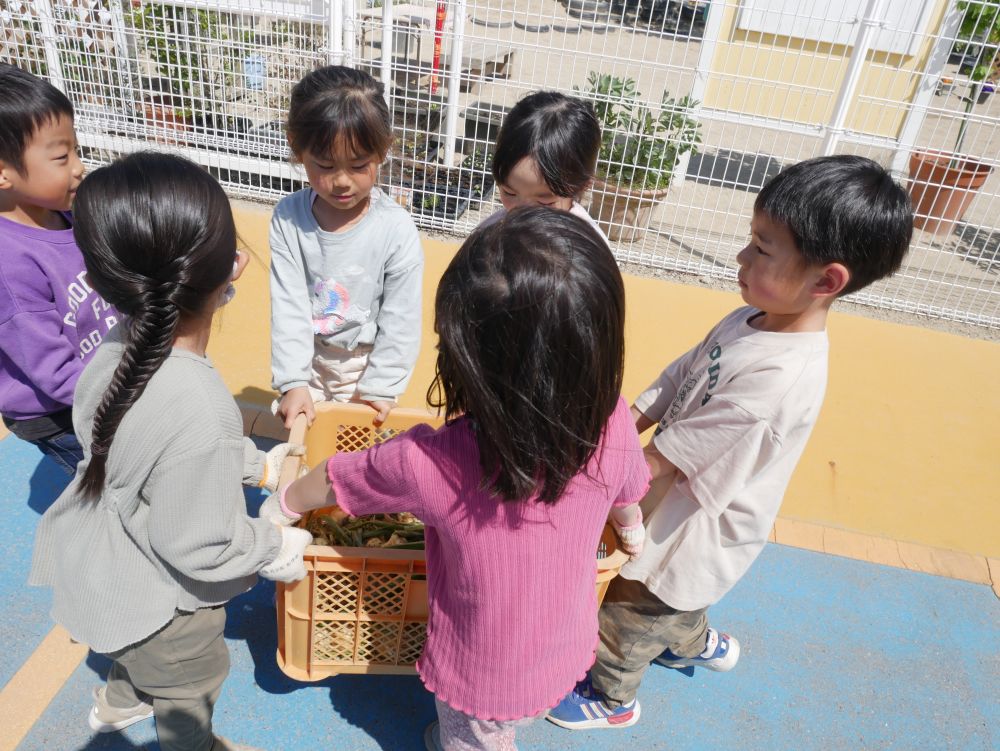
(949, 563)
(40, 678)
(994, 567)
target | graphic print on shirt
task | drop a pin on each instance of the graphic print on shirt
(79, 295)
(332, 305)
(712, 371)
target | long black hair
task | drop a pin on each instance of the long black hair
(158, 239)
(530, 316)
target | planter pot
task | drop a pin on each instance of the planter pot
(622, 213)
(941, 191)
(440, 201)
(169, 127)
(409, 166)
(417, 114)
(418, 156)
(482, 124)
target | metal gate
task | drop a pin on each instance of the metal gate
(735, 89)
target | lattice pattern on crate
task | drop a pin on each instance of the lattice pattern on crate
(412, 644)
(384, 594)
(360, 437)
(337, 592)
(333, 641)
(377, 642)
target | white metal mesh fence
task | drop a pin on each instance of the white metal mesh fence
(760, 83)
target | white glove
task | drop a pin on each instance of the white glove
(288, 565)
(633, 537)
(273, 460)
(274, 510)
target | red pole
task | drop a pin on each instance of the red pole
(442, 11)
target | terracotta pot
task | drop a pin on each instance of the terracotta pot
(942, 186)
(623, 214)
(166, 122)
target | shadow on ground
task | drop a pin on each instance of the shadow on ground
(733, 169)
(980, 246)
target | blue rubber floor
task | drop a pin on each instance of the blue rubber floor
(837, 654)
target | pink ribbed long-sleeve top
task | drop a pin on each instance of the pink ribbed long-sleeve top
(512, 608)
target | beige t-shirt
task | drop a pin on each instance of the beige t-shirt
(734, 415)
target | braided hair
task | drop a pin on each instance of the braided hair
(158, 240)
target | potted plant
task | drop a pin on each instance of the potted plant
(438, 192)
(476, 177)
(639, 151)
(944, 184)
(191, 55)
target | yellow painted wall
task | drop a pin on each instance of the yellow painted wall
(906, 446)
(785, 78)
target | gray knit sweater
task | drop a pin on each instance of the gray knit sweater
(170, 531)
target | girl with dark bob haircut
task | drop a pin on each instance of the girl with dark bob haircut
(537, 450)
(346, 262)
(546, 154)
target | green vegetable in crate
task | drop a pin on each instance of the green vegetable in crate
(334, 527)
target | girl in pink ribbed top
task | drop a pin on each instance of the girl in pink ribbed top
(516, 487)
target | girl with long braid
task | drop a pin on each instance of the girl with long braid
(152, 537)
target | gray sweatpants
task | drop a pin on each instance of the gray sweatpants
(635, 627)
(179, 670)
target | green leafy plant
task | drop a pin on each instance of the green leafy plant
(190, 49)
(430, 201)
(978, 38)
(480, 160)
(640, 147)
(476, 175)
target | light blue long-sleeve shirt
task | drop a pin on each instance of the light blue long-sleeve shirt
(351, 289)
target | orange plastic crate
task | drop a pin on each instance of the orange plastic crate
(364, 610)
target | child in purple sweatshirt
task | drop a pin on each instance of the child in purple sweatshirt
(51, 321)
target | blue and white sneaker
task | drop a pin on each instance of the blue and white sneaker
(721, 654)
(583, 708)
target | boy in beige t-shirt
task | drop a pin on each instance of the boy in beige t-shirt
(733, 416)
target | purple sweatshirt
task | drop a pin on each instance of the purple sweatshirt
(51, 321)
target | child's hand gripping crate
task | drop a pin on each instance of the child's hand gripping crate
(362, 609)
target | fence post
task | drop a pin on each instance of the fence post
(335, 33)
(350, 32)
(47, 20)
(454, 81)
(387, 48)
(119, 33)
(946, 36)
(709, 41)
(862, 43)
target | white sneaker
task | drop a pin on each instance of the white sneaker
(722, 652)
(104, 718)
